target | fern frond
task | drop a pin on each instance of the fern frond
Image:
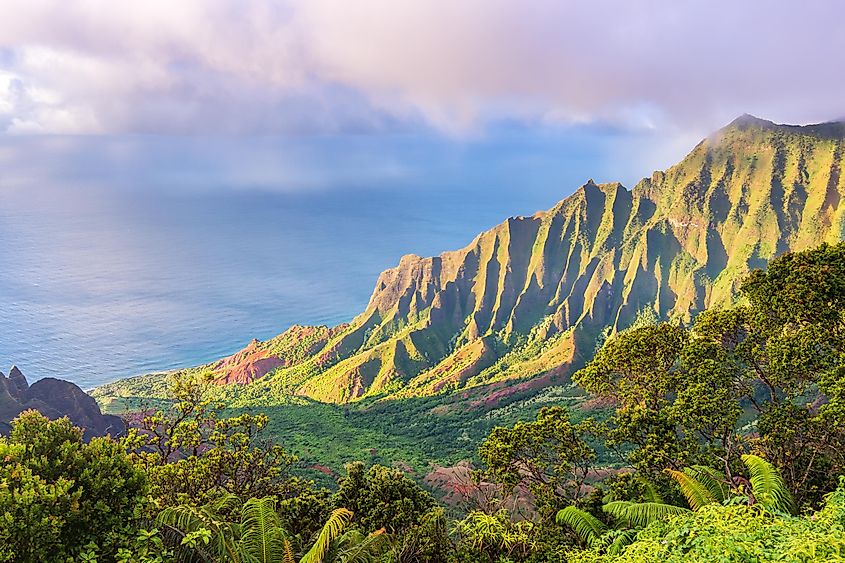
(357, 548)
(694, 491)
(621, 541)
(641, 514)
(262, 535)
(767, 485)
(712, 480)
(589, 528)
(224, 504)
(338, 520)
(289, 558)
(187, 519)
(651, 493)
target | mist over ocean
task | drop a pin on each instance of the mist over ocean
(122, 256)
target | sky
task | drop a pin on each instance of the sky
(377, 92)
(317, 67)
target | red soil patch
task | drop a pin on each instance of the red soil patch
(597, 403)
(246, 366)
(456, 488)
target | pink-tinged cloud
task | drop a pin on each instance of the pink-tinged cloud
(318, 66)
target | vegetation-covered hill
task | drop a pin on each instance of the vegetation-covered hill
(532, 298)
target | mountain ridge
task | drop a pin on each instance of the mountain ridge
(533, 296)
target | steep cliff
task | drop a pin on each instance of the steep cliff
(531, 298)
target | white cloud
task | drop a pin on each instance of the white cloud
(316, 66)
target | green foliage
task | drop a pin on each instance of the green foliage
(426, 542)
(682, 394)
(697, 493)
(767, 486)
(61, 497)
(382, 498)
(550, 456)
(190, 452)
(303, 515)
(338, 520)
(736, 532)
(641, 514)
(227, 530)
(493, 538)
(589, 528)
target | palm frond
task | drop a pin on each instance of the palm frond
(338, 520)
(641, 514)
(767, 486)
(288, 558)
(621, 540)
(713, 480)
(694, 491)
(262, 535)
(589, 528)
(357, 548)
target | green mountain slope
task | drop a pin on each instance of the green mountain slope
(530, 299)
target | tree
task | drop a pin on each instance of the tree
(191, 453)
(641, 371)
(549, 456)
(426, 542)
(786, 347)
(778, 358)
(382, 498)
(60, 496)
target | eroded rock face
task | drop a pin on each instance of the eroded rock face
(258, 359)
(527, 302)
(677, 243)
(247, 365)
(54, 398)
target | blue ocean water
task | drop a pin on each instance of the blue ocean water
(125, 256)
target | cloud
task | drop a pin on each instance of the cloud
(327, 66)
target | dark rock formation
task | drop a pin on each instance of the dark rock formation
(54, 398)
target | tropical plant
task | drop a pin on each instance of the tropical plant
(257, 535)
(700, 485)
(493, 537)
(764, 486)
(190, 451)
(735, 532)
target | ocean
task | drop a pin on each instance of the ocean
(121, 256)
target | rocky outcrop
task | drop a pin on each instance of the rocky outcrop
(54, 398)
(246, 366)
(288, 349)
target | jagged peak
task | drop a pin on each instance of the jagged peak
(17, 377)
(746, 121)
